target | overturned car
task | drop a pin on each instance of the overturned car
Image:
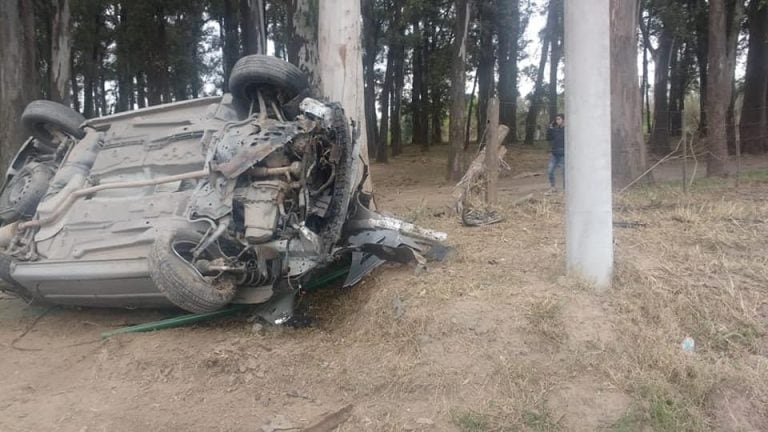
(197, 204)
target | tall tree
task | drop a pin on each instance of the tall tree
(627, 146)
(18, 83)
(486, 61)
(231, 38)
(398, 48)
(386, 91)
(724, 19)
(370, 52)
(340, 67)
(253, 26)
(61, 47)
(659, 140)
(534, 109)
(458, 92)
(754, 123)
(556, 54)
(302, 28)
(508, 35)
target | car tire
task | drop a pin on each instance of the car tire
(257, 69)
(179, 281)
(41, 113)
(24, 191)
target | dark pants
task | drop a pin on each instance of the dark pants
(555, 161)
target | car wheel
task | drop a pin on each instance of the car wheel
(41, 116)
(257, 69)
(171, 270)
(24, 191)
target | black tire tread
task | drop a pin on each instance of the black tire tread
(262, 69)
(181, 283)
(61, 116)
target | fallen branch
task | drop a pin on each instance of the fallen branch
(474, 178)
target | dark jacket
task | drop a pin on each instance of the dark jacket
(556, 137)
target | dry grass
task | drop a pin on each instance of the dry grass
(699, 270)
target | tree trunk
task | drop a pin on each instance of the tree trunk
(702, 51)
(485, 64)
(303, 41)
(124, 79)
(556, 54)
(627, 146)
(417, 105)
(436, 118)
(396, 132)
(370, 36)
(381, 150)
(645, 89)
(531, 119)
(102, 84)
(659, 141)
(74, 88)
(508, 32)
(18, 72)
(723, 30)
(253, 27)
(458, 96)
(341, 67)
(61, 48)
(754, 121)
(231, 46)
(141, 90)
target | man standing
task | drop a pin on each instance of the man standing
(556, 138)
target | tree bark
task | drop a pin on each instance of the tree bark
(396, 132)
(231, 46)
(627, 146)
(532, 117)
(418, 106)
(508, 34)
(702, 52)
(370, 36)
(141, 90)
(18, 84)
(74, 87)
(556, 54)
(381, 149)
(61, 48)
(723, 30)
(124, 78)
(754, 121)
(341, 68)
(659, 141)
(253, 27)
(458, 92)
(485, 78)
(645, 89)
(303, 41)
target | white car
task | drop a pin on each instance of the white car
(196, 204)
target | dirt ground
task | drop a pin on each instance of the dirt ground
(497, 338)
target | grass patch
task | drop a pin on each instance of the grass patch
(470, 421)
(545, 319)
(658, 410)
(540, 420)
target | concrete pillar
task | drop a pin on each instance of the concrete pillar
(588, 194)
